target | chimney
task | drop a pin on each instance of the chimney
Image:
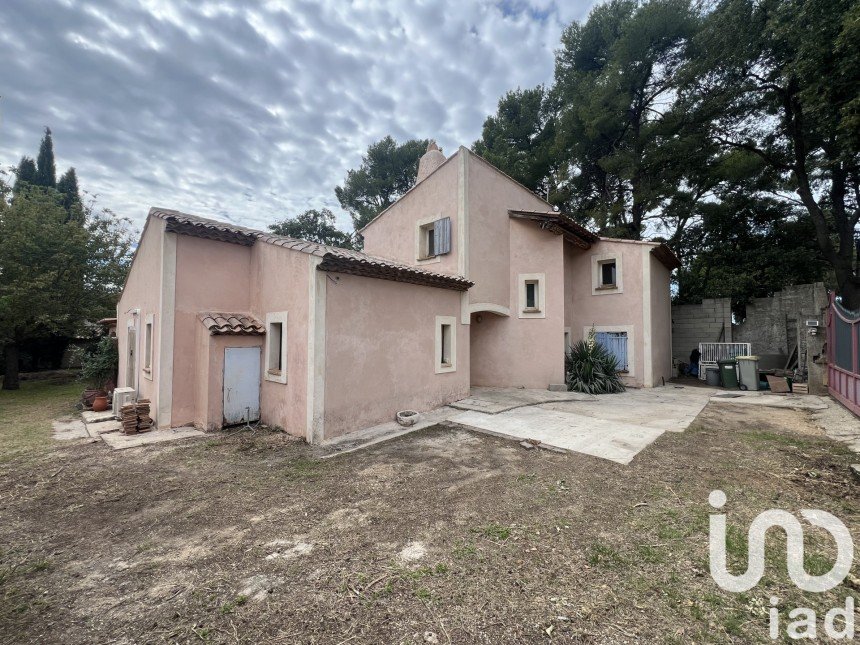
(429, 161)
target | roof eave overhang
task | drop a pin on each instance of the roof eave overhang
(350, 266)
(559, 224)
(666, 256)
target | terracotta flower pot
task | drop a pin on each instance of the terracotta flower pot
(100, 403)
(88, 395)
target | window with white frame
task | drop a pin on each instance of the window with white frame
(618, 340)
(148, 330)
(532, 295)
(433, 238)
(276, 347)
(428, 242)
(446, 344)
(606, 274)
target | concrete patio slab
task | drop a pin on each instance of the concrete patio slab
(95, 417)
(68, 429)
(379, 433)
(618, 442)
(120, 441)
(614, 427)
(493, 400)
(670, 408)
(98, 429)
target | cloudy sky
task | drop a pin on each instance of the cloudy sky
(254, 111)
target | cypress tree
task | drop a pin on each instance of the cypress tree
(26, 174)
(46, 169)
(68, 188)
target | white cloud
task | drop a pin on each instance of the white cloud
(256, 114)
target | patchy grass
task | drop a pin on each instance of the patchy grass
(246, 537)
(26, 415)
(494, 532)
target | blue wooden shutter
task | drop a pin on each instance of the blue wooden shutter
(616, 344)
(442, 234)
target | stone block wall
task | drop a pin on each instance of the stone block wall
(774, 326)
(709, 322)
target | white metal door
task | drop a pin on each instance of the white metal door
(241, 384)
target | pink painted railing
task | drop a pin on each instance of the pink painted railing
(843, 365)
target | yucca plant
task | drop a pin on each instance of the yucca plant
(591, 369)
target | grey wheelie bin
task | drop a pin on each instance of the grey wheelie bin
(748, 372)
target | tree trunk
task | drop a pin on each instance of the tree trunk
(849, 288)
(10, 380)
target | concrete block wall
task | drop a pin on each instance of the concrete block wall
(710, 321)
(772, 325)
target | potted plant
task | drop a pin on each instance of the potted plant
(99, 373)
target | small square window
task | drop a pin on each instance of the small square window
(427, 242)
(276, 334)
(276, 347)
(608, 274)
(434, 238)
(446, 344)
(531, 295)
(148, 345)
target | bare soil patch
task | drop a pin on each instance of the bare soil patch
(445, 535)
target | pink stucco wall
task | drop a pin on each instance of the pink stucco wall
(613, 309)
(524, 352)
(392, 234)
(279, 282)
(380, 351)
(661, 321)
(142, 291)
(216, 276)
(490, 196)
(210, 276)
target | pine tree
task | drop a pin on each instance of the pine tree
(67, 186)
(26, 174)
(46, 169)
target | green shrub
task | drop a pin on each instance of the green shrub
(589, 368)
(100, 366)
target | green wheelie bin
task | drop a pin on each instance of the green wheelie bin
(729, 373)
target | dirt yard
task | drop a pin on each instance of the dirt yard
(441, 536)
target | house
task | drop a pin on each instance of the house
(468, 279)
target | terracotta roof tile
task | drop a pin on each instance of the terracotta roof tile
(236, 324)
(334, 258)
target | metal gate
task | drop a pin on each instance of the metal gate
(843, 355)
(241, 385)
(615, 343)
